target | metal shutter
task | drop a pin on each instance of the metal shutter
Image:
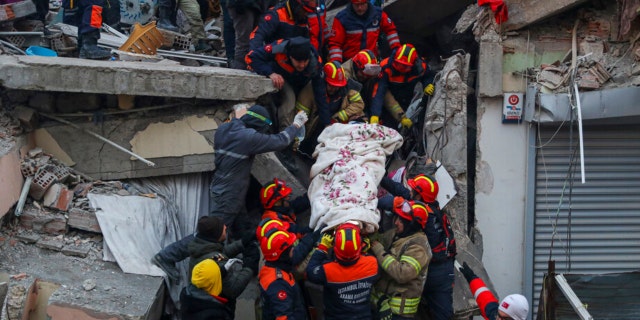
(605, 216)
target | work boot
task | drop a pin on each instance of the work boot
(202, 46)
(90, 49)
(166, 266)
(164, 20)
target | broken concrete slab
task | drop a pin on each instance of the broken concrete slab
(81, 250)
(116, 295)
(43, 222)
(522, 14)
(28, 238)
(50, 243)
(490, 69)
(133, 78)
(83, 220)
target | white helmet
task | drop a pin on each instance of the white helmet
(516, 306)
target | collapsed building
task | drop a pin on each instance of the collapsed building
(512, 121)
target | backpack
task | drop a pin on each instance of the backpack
(440, 234)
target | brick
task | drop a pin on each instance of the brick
(83, 220)
(42, 222)
(58, 196)
(51, 244)
(77, 251)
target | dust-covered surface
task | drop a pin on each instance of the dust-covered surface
(85, 283)
(9, 129)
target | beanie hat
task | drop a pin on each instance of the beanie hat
(210, 228)
(516, 306)
(206, 276)
(257, 117)
(299, 48)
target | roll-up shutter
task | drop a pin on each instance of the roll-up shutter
(601, 232)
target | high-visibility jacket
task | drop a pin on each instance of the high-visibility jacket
(278, 23)
(344, 105)
(274, 58)
(352, 33)
(487, 302)
(281, 295)
(400, 85)
(404, 262)
(347, 288)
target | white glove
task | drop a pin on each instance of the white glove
(300, 119)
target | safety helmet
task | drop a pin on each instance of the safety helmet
(420, 212)
(406, 55)
(426, 186)
(363, 58)
(275, 243)
(268, 224)
(270, 194)
(348, 242)
(334, 74)
(405, 210)
(359, 1)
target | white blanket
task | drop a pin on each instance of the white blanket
(350, 162)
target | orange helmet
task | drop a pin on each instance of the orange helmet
(275, 243)
(268, 224)
(405, 209)
(334, 74)
(406, 55)
(364, 58)
(426, 186)
(277, 190)
(348, 242)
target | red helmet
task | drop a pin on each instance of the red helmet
(420, 212)
(364, 58)
(275, 243)
(405, 209)
(277, 190)
(334, 74)
(406, 55)
(268, 224)
(426, 186)
(348, 242)
(359, 1)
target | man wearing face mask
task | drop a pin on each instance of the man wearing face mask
(236, 143)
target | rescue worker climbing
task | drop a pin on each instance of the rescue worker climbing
(347, 277)
(401, 73)
(404, 256)
(358, 27)
(290, 19)
(343, 102)
(237, 142)
(87, 16)
(281, 296)
(514, 306)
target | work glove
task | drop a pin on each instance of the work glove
(326, 242)
(467, 272)
(429, 89)
(300, 119)
(248, 238)
(366, 244)
(406, 122)
(251, 257)
(374, 120)
(378, 249)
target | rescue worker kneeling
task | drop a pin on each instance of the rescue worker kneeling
(348, 278)
(281, 296)
(404, 255)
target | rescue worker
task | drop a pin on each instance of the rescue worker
(281, 296)
(347, 279)
(166, 11)
(404, 256)
(237, 142)
(401, 73)
(87, 16)
(292, 18)
(291, 65)
(514, 306)
(191, 10)
(342, 98)
(201, 298)
(245, 15)
(358, 27)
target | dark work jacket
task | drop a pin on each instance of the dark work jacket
(347, 288)
(281, 295)
(233, 281)
(235, 148)
(197, 304)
